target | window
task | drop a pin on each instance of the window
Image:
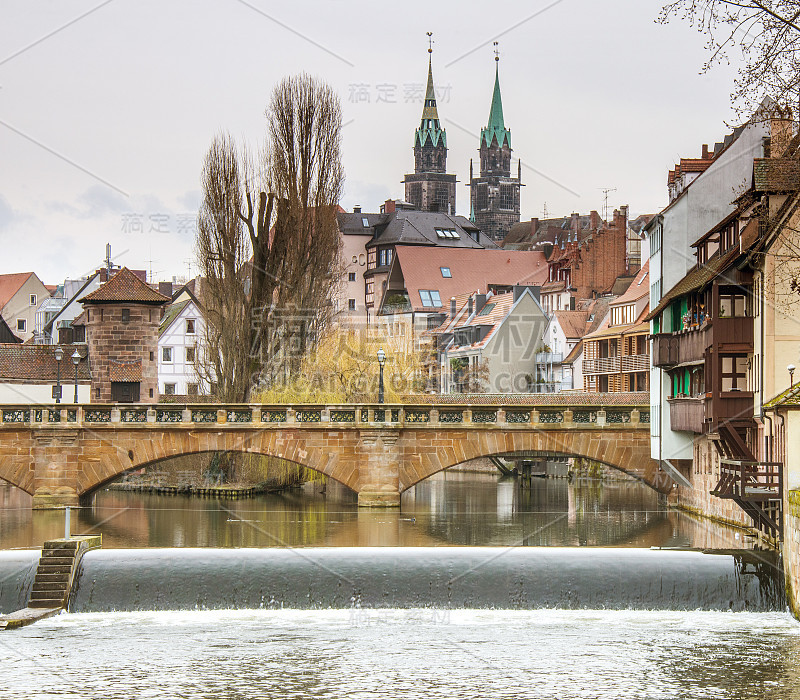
(450, 233)
(734, 373)
(21, 325)
(189, 326)
(732, 305)
(351, 304)
(371, 253)
(430, 297)
(351, 276)
(190, 354)
(385, 257)
(151, 393)
(166, 354)
(169, 389)
(445, 272)
(192, 389)
(33, 300)
(365, 222)
(151, 356)
(507, 197)
(486, 310)
(126, 315)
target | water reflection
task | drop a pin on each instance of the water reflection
(449, 509)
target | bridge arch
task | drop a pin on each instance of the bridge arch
(626, 451)
(128, 453)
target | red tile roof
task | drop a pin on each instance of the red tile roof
(471, 269)
(125, 287)
(573, 323)
(125, 371)
(640, 287)
(38, 363)
(10, 284)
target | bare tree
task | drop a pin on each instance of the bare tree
(766, 33)
(306, 175)
(268, 241)
(222, 249)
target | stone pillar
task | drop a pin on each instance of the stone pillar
(56, 455)
(379, 481)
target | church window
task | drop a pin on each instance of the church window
(506, 196)
(482, 197)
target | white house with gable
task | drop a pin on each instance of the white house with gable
(179, 338)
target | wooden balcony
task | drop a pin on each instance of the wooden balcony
(635, 363)
(688, 346)
(687, 414)
(734, 406)
(602, 365)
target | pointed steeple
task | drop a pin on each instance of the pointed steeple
(496, 127)
(429, 128)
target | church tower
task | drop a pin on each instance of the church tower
(430, 188)
(494, 196)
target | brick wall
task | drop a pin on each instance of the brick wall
(603, 259)
(111, 339)
(791, 550)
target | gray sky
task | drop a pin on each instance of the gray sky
(104, 123)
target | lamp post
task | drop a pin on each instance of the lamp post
(381, 363)
(59, 355)
(791, 369)
(76, 358)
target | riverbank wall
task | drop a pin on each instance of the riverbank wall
(791, 550)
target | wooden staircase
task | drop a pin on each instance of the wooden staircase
(756, 487)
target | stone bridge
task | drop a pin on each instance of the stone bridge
(59, 454)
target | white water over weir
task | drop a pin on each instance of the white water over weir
(418, 577)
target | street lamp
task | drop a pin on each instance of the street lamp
(59, 355)
(76, 358)
(791, 369)
(381, 363)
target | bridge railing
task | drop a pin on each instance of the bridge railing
(311, 415)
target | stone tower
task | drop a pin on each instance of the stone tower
(494, 196)
(430, 188)
(122, 319)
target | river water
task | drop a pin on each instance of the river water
(509, 594)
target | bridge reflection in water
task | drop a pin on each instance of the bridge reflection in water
(450, 508)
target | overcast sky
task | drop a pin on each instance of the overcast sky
(107, 108)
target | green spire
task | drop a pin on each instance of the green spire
(496, 127)
(429, 125)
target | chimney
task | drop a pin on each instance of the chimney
(480, 302)
(594, 220)
(706, 153)
(469, 306)
(165, 288)
(623, 214)
(452, 308)
(534, 226)
(389, 206)
(357, 209)
(780, 132)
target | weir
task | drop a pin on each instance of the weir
(419, 577)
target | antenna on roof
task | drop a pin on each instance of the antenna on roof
(544, 211)
(605, 191)
(107, 261)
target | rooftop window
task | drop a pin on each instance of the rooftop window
(445, 272)
(365, 222)
(447, 233)
(430, 297)
(487, 309)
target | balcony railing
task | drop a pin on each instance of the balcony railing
(635, 363)
(687, 414)
(687, 346)
(602, 365)
(549, 358)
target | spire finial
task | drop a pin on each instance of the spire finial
(430, 41)
(496, 51)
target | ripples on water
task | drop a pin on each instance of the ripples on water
(405, 654)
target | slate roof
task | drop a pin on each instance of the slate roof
(125, 287)
(37, 363)
(789, 398)
(406, 227)
(170, 314)
(697, 278)
(10, 284)
(471, 270)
